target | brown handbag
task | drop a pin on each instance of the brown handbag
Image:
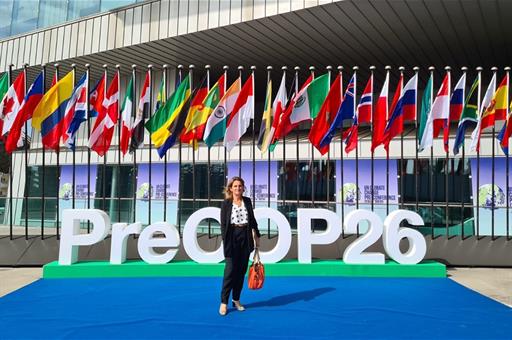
(256, 272)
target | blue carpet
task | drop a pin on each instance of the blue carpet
(308, 307)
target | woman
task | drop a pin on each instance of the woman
(240, 236)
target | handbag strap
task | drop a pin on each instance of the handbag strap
(256, 258)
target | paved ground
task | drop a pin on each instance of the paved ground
(495, 283)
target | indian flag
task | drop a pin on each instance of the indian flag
(216, 124)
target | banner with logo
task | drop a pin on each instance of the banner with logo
(348, 189)
(157, 191)
(82, 189)
(261, 185)
(483, 194)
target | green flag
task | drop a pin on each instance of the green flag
(469, 116)
(425, 128)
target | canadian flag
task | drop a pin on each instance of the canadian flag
(11, 104)
(101, 135)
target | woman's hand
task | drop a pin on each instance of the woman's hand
(256, 239)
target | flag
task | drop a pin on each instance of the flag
(457, 99)
(126, 118)
(11, 104)
(196, 117)
(352, 136)
(137, 133)
(49, 114)
(440, 115)
(266, 119)
(310, 101)
(215, 127)
(500, 106)
(285, 125)
(468, 118)
(486, 116)
(278, 108)
(160, 125)
(325, 117)
(96, 96)
(405, 107)
(4, 87)
(380, 115)
(365, 106)
(240, 118)
(101, 135)
(347, 110)
(75, 113)
(425, 129)
(34, 95)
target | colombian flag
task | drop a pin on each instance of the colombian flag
(48, 116)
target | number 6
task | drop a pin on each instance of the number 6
(393, 234)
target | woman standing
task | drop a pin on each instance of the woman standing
(240, 236)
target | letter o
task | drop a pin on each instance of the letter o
(284, 240)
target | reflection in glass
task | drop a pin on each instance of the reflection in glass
(24, 16)
(52, 12)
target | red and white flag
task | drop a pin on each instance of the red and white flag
(142, 113)
(440, 112)
(380, 115)
(240, 118)
(278, 107)
(101, 135)
(364, 109)
(11, 104)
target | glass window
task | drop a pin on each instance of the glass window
(52, 12)
(216, 175)
(82, 8)
(6, 18)
(323, 180)
(24, 16)
(35, 193)
(107, 5)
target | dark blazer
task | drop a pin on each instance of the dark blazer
(226, 229)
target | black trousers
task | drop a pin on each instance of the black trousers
(236, 266)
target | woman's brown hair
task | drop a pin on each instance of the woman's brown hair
(227, 192)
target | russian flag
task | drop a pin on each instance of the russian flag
(457, 99)
(364, 109)
(405, 107)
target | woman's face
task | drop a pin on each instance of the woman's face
(237, 189)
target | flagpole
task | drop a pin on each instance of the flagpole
(134, 172)
(507, 71)
(164, 81)
(446, 177)
(119, 119)
(269, 71)
(150, 168)
(73, 67)
(285, 175)
(297, 149)
(355, 68)
(416, 161)
(401, 69)
(328, 167)
(225, 68)
(253, 68)
(464, 70)
(494, 69)
(103, 181)
(25, 146)
(11, 177)
(191, 79)
(180, 68)
(43, 163)
(58, 161)
(207, 68)
(431, 69)
(88, 115)
(240, 70)
(340, 71)
(387, 152)
(479, 70)
(372, 185)
(312, 70)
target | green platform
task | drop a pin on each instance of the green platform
(100, 269)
